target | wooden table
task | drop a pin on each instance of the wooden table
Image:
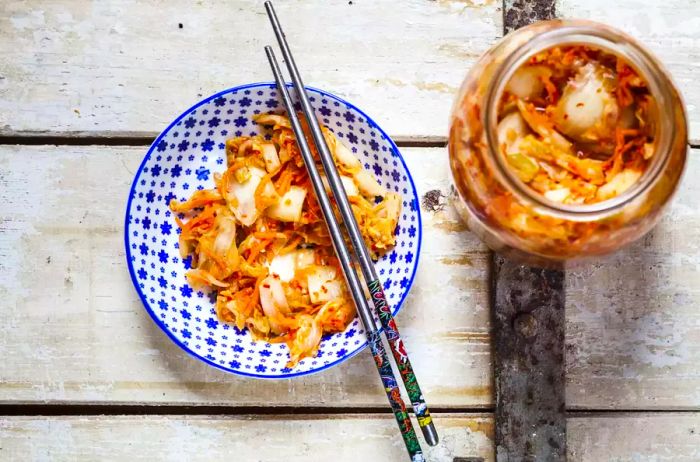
(85, 86)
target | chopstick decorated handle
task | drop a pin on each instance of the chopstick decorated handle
(378, 298)
(381, 359)
(391, 331)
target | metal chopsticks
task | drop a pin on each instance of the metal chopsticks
(375, 342)
(361, 252)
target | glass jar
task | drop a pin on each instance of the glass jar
(548, 233)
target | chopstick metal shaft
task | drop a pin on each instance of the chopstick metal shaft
(379, 354)
(373, 283)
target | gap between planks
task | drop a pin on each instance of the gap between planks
(19, 409)
(145, 139)
(141, 139)
(210, 410)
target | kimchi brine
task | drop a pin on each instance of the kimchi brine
(567, 140)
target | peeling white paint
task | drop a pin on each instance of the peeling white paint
(127, 66)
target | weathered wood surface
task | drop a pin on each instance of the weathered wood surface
(73, 330)
(633, 325)
(664, 437)
(528, 316)
(126, 67)
(635, 437)
(670, 28)
(246, 438)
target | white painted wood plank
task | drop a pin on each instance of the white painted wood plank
(248, 438)
(671, 29)
(82, 66)
(634, 437)
(125, 66)
(664, 437)
(73, 329)
(633, 330)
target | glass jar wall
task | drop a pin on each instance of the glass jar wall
(520, 222)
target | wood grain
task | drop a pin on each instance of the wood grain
(73, 330)
(634, 437)
(123, 66)
(633, 331)
(664, 437)
(245, 438)
(671, 29)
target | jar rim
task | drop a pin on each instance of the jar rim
(600, 36)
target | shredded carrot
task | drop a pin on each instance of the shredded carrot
(256, 249)
(198, 199)
(269, 235)
(292, 245)
(625, 74)
(284, 181)
(552, 90)
(203, 220)
(224, 181)
(254, 296)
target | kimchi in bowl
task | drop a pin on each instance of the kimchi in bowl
(189, 156)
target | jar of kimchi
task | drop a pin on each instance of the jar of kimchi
(567, 140)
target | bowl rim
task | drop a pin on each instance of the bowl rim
(142, 296)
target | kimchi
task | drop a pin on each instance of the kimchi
(574, 125)
(258, 238)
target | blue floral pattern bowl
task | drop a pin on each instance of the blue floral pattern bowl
(183, 159)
